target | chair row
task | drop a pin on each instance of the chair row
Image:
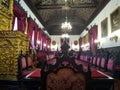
(27, 67)
(103, 60)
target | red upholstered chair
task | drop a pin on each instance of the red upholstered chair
(26, 68)
(33, 72)
(29, 62)
(102, 64)
(66, 79)
(110, 65)
(23, 63)
(94, 60)
(98, 61)
(112, 61)
(91, 59)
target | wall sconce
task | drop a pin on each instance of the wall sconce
(38, 42)
(114, 38)
(97, 42)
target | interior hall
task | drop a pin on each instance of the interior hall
(59, 44)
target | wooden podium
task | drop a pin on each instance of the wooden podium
(11, 44)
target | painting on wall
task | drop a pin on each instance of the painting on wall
(115, 20)
(104, 28)
(85, 39)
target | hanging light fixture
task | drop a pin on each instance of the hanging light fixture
(66, 26)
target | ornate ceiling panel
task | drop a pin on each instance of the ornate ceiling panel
(79, 13)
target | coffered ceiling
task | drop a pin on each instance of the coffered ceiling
(52, 13)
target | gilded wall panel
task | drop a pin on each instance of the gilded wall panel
(6, 15)
(11, 43)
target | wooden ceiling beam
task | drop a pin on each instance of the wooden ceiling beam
(59, 6)
(96, 2)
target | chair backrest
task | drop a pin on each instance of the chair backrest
(29, 61)
(103, 62)
(66, 79)
(23, 63)
(94, 60)
(98, 61)
(110, 66)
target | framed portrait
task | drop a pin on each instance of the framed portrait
(85, 39)
(104, 27)
(115, 20)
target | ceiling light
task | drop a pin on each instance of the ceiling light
(66, 26)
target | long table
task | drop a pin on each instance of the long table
(101, 81)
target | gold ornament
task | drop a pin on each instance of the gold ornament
(54, 42)
(75, 42)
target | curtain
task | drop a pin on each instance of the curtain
(61, 41)
(80, 44)
(30, 29)
(64, 39)
(35, 36)
(21, 17)
(13, 22)
(15, 25)
(93, 35)
(32, 41)
(40, 39)
(43, 40)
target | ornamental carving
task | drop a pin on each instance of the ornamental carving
(6, 14)
(65, 79)
(54, 42)
(11, 43)
(75, 42)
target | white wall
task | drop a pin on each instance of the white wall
(57, 38)
(105, 13)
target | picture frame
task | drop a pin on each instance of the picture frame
(104, 28)
(115, 20)
(85, 39)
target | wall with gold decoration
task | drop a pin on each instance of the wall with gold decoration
(11, 43)
(6, 14)
(56, 42)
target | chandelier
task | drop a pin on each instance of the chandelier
(66, 26)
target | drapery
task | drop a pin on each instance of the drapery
(80, 44)
(20, 14)
(15, 24)
(35, 36)
(40, 39)
(93, 35)
(43, 40)
(49, 44)
(64, 39)
(31, 28)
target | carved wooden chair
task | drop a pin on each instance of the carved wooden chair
(66, 79)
